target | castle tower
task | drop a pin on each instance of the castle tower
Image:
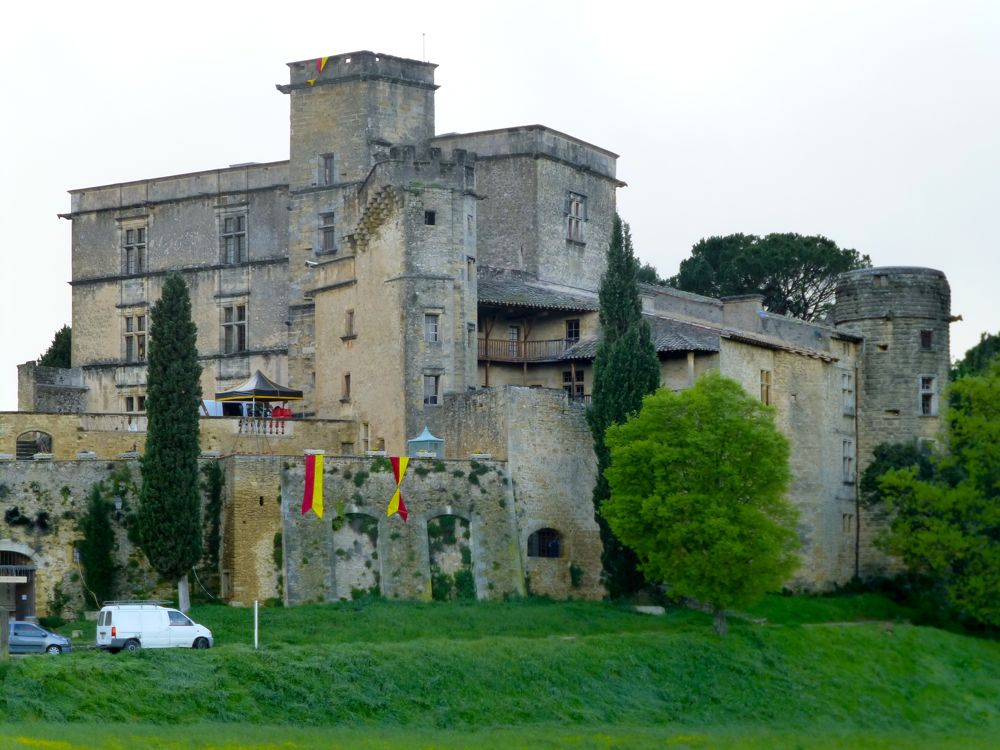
(904, 315)
(346, 112)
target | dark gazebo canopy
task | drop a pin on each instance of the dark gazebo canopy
(259, 388)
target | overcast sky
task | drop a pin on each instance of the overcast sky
(876, 124)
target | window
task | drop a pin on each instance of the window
(847, 391)
(470, 334)
(847, 522)
(879, 280)
(544, 543)
(430, 218)
(470, 268)
(470, 177)
(848, 461)
(345, 391)
(573, 384)
(234, 329)
(135, 338)
(366, 437)
(926, 340)
(176, 618)
(765, 386)
(326, 174)
(349, 323)
(328, 233)
(928, 396)
(432, 394)
(432, 323)
(576, 215)
(572, 330)
(135, 403)
(234, 239)
(134, 250)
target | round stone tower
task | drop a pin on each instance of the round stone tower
(903, 314)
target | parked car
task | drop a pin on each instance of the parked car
(28, 638)
(134, 625)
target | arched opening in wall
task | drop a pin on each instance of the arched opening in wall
(545, 543)
(32, 442)
(17, 584)
(356, 565)
(448, 542)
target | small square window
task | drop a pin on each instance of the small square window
(430, 218)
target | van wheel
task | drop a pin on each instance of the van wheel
(201, 643)
(53, 649)
(132, 645)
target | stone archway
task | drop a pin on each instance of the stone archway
(17, 580)
(31, 442)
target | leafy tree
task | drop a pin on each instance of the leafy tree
(59, 351)
(796, 274)
(977, 360)
(626, 368)
(647, 275)
(97, 547)
(697, 484)
(948, 527)
(887, 457)
(169, 515)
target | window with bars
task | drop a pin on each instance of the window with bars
(234, 329)
(135, 338)
(576, 216)
(234, 239)
(134, 250)
(545, 543)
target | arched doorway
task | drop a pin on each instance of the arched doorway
(32, 442)
(17, 580)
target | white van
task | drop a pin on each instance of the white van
(135, 625)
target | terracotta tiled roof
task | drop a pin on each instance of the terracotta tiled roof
(513, 290)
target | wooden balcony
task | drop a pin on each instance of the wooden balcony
(503, 350)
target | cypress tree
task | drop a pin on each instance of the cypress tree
(169, 516)
(97, 547)
(626, 368)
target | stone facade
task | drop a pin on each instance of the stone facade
(404, 280)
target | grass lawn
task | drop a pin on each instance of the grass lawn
(819, 672)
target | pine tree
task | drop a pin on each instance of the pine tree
(626, 368)
(169, 516)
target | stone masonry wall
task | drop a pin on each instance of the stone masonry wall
(355, 547)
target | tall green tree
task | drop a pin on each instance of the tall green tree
(626, 368)
(169, 515)
(947, 528)
(97, 547)
(698, 483)
(60, 350)
(796, 274)
(977, 360)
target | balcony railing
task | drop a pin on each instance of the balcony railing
(504, 350)
(269, 426)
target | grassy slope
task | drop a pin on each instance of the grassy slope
(394, 667)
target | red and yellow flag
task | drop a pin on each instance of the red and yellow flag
(321, 63)
(397, 504)
(312, 498)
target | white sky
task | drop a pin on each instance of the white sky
(874, 123)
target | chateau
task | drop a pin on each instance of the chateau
(404, 280)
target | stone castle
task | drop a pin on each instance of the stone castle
(404, 280)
